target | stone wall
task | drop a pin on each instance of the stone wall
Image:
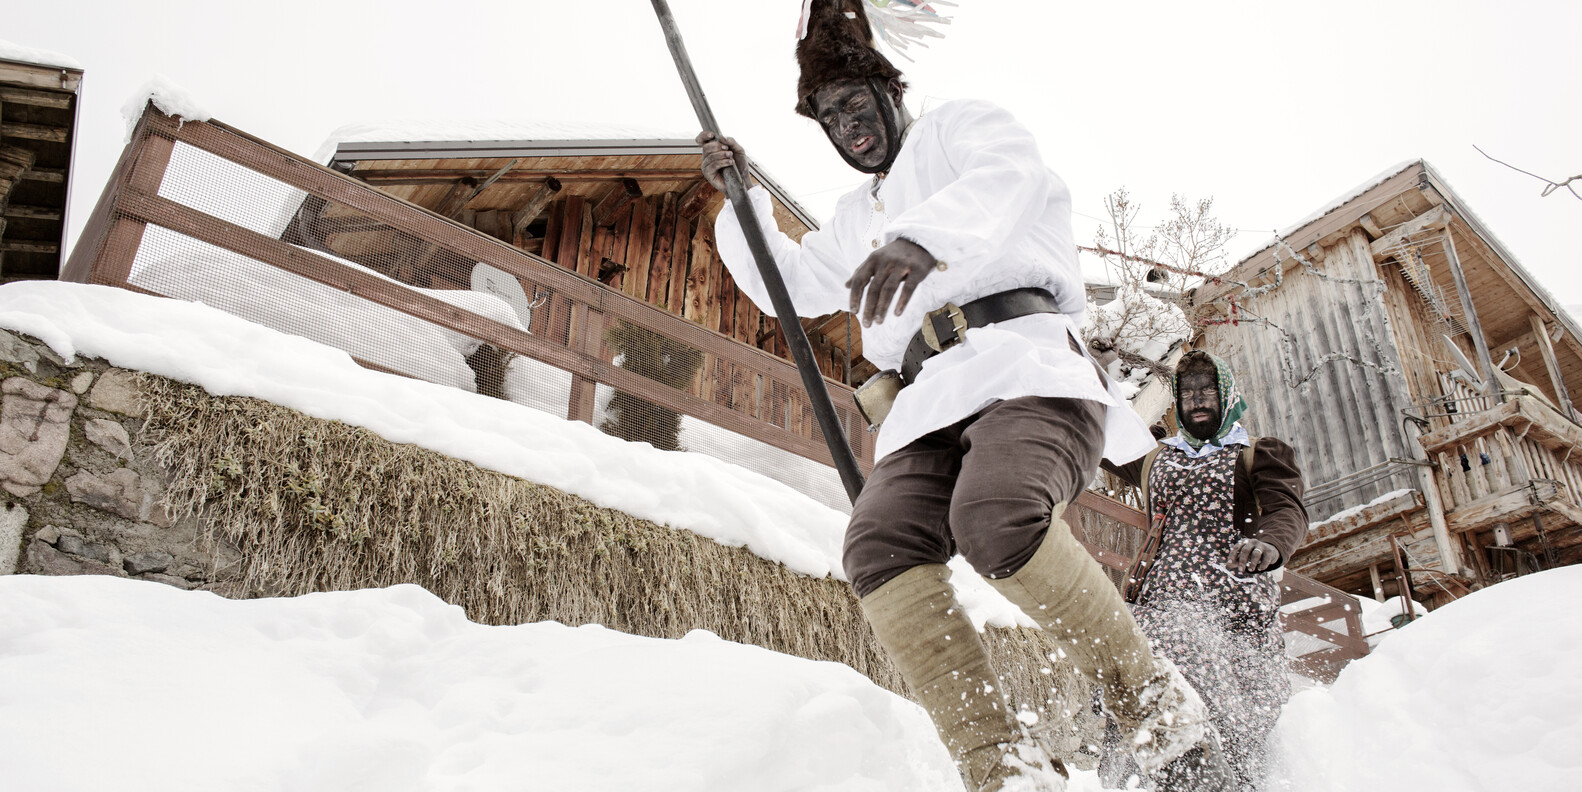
(82, 493)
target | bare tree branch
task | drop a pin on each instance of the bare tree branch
(1553, 185)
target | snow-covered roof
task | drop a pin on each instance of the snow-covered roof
(1334, 204)
(491, 138)
(37, 57)
(170, 98)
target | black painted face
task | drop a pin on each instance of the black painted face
(861, 121)
(1199, 406)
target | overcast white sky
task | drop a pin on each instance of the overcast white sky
(1270, 108)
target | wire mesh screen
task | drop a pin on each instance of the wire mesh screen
(305, 264)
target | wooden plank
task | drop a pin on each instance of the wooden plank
(551, 244)
(50, 99)
(587, 266)
(620, 196)
(639, 250)
(698, 199)
(658, 289)
(695, 304)
(1506, 506)
(744, 326)
(29, 75)
(1551, 363)
(50, 175)
(18, 246)
(680, 258)
(1469, 311)
(1432, 220)
(456, 199)
(304, 263)
(727, 303)
(530, 211)
(20, 212)
(572, 212)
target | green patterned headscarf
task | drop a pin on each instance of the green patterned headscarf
(1231, 404)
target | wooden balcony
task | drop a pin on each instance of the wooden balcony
(1508, 461)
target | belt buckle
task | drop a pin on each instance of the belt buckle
(944, 328)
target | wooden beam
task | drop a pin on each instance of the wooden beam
(1431, 220)
(30, 75)
(1551, 363)
(620, 197)
(1469, 312)
(51, 175)
(393, 177)
(1507, 506)
(11, 246)
(697, 199)
(534, 207)
(32, 212)
(455, 200)
(1369, 225)
(51, 134)
(51, 99)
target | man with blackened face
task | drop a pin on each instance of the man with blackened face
(1227, 513)
(957, 256)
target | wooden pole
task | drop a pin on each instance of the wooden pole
(1491, 381)
(1552, 364)
(796, 338)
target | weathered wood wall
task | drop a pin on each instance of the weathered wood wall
(1301, 375)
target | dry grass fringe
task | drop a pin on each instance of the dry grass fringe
(316, 505)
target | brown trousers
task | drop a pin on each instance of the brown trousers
(983, 487)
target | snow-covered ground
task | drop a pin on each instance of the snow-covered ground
(227, 355)
(108, 683)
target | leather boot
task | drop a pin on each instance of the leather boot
(1161, 717)
(938, 652)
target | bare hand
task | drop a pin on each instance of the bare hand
(1252, 555)
(898, 266)
(719, 155)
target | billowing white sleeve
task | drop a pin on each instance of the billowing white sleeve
(1002, 188)
(814, 272)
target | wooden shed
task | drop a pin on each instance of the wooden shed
(38, 119)
(634, 214)
(1425, 380)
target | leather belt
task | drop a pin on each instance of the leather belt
(945, 327)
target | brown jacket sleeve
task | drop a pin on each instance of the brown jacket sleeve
(1277, 483)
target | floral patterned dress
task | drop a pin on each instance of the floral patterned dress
(1221, 628)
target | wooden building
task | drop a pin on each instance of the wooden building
(1425, 380)
(38, 119)
(634, 214)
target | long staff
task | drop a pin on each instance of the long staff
(796, 338)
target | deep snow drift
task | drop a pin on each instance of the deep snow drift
(116, 684)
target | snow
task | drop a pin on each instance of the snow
(418, 131)
(1339, 201)
(1481, 694)
(1356, 510)
(138, 686)
(170, 98)
(230, 356)
(36, 57)
(133, 685)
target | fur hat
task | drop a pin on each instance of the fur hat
(839, 45)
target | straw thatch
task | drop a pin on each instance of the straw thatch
(317, 505)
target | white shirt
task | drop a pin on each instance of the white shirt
(970, 187)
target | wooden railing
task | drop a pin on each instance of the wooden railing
(1501, 456)
(1112, 532)
(739, 388)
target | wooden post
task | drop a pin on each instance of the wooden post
(1547, 349)
(1378, 582)
(1491, 382)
